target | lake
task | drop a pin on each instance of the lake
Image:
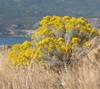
(10, 40)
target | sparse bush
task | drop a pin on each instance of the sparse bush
(54, 41)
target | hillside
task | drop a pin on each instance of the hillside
(84, 75)
(19, 15)
(58, 57)
(31, 11)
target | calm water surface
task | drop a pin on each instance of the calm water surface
(9, 40)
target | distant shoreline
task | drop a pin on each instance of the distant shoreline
(19, 33)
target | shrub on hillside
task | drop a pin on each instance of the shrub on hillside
(53, 42)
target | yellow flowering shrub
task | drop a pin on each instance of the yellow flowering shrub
(55, 40)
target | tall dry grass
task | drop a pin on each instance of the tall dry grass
(83, 74)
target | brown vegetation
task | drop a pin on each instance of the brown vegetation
(83, 74)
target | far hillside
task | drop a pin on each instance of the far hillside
(31, 11)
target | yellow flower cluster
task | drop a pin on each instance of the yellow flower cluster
(56, 37)
(56, 26)
(75, 40)
(21, 54)
(46, 47)
(86, 44)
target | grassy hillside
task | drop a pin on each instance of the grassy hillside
(58, 57)
(85, 74)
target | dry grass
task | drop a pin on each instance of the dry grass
(85, 74)
(82, 76)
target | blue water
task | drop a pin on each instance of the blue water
(10, 40)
